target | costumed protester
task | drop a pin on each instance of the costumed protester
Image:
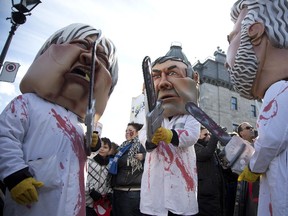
(126, 168)
(210, 179)
(257, 63)
(98, 189)
(43, 160)
(169, 181)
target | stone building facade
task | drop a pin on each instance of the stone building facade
(218, 98)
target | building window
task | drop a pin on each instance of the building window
(234, 105)
(253, 110)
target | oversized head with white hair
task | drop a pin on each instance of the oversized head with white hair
(61, 71)
(258, 42)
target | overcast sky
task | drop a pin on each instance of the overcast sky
(137, 27)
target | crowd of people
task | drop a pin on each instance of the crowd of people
(115, 189)
(46, 169)
(122, 177)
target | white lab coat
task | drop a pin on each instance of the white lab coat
(271, 151)
(49, 139)
(169, 180)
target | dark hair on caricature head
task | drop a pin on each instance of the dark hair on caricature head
(175, 54)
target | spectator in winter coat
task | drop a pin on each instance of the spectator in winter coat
(126, 169)
(210, 185)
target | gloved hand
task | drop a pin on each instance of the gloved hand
(248, 176)
(95, 139)
(95, 195)
(25, 192)
(162, 134)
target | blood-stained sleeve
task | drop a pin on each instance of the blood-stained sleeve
(14, 121)
(272, 127)
(189, 133)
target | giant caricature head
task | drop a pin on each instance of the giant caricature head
(175, 81)
(247, 52)
(61, 70)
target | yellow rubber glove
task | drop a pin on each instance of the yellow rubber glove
(162, 134)
(95, 138)
(25, 192)
(248, 176)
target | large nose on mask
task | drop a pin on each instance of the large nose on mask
(164, 83)
(85, 58)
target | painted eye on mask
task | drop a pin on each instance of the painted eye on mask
(83, 44)
(156, 76)
(172, 73)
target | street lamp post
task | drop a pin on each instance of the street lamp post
(20, 9)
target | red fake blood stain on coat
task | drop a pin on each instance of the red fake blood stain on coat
(271, 109)
(270, 209)
(149, 171)
(173, 157)
(70, 131)
(23, 105)
(180, 164)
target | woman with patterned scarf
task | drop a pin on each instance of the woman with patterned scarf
(126, 169)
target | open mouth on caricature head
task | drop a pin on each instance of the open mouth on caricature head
(79, 75)
(167, 96)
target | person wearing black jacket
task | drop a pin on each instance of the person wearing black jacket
(210, 187)
(126, 169)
